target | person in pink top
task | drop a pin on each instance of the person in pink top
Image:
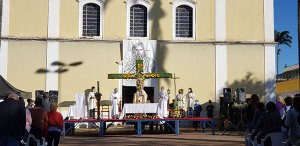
(28, 125)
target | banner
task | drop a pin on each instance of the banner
(139, 49)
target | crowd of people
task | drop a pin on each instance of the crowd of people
(38, 118)
(282, 116)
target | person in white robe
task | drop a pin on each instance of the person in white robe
(115, 100)
(190, 99)
(162, 108)
(92, 102)
(179, 99)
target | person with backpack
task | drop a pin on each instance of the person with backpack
(292, 121)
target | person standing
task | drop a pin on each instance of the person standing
(55, 122)
(13, 121)
(115, 99)
(179, 98)
(92, 102)
(190, 98)
(210, 109)
(39, 120)
(28, 124)
(46, 101)
(280, 105)
(29, 103)
(162, 108)
(292, 121)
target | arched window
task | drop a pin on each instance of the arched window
(91, 20)
(184, 21)
(138, 21)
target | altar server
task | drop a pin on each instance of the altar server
(115, 100)
(162, 109)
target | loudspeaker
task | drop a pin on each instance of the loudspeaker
(227, 95)
(39, 93)
(241, 94)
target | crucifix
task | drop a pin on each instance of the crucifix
(139, 76)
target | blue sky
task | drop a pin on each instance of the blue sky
(285, 15)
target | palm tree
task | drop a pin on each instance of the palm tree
(282, 38)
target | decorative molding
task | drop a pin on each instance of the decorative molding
(220, 20)
(53, 18)
(5, 18)
(143, 2)
(100, 4)
(270, 65)
(191, 4)
(43, 39)
(269, 20)
(52, 55)
(3, 58)
(221, 70)
(4, 43)
(270, 73)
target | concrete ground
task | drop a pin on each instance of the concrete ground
(125, 135)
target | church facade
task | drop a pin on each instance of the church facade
(68, 45)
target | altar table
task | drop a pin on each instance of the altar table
(141, 108)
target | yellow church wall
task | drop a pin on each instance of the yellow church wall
(69, 19)
(161, 20)
(205, 26)
(245, 20)
(24, 59)
(114, 20)
(28, 18)
(246, 68)
(98, 60)
(194, 64)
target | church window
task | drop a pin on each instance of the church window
(138, 21)
(91, 20)
(184, 21)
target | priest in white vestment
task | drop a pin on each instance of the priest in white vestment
(162, 108)
(115, 100)
(92, 102)
(179, 99)
(140, 97)
(190, 99)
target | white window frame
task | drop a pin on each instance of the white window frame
(100, 4)
(130, 3)
(191, 4)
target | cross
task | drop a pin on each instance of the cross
(175, 78)
(139, 75)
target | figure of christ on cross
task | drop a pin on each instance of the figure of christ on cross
(140, 77)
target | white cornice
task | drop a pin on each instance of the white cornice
(184, 1)
(86, 1)
(138, 1)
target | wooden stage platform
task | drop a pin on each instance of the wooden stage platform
(172, 123)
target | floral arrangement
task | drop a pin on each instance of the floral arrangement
(140, 117)
(241, 105)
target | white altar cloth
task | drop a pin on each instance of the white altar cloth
(130, 108)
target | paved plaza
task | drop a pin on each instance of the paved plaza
(120, 135)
